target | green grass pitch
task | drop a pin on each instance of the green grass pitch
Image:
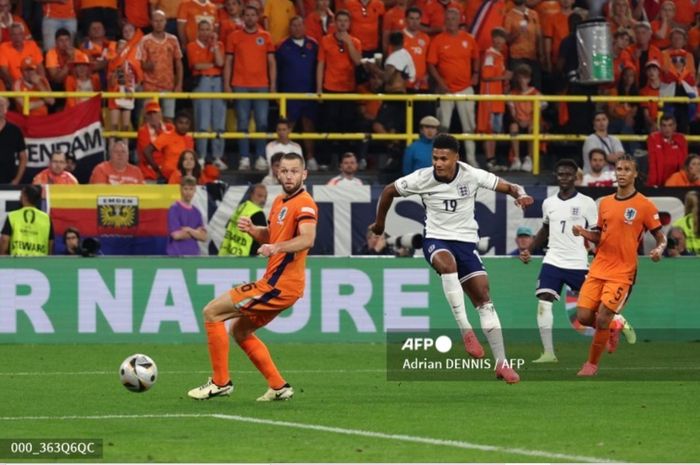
(345, 410)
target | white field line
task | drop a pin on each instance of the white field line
(329, 371)
(331, 429)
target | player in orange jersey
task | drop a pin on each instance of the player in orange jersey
(622, 220)
(286, 241)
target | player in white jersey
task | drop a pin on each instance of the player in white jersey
(448, 191)
(566, 260)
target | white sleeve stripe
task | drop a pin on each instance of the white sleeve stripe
(308, 210)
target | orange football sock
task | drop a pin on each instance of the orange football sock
(600, 339)
(218, 351)
(257, 352)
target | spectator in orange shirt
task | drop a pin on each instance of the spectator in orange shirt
(453, 61)
(339, 54)
(190, 14)
(58, 58)
(664, 24)
(7, 19)
(494, 78)
(435, 12)
(187, 165)
(56, 172)
(138, 13)
(250, 67)
(171, 144)
(319, 22)
(230, 19)
(161, 62)
(650, 110)
(521, 117)
(117, 170)
(688, 176)
(525, 40)
(679, 74)
(170, 9)
(394, 21)
(32, 81)
(416, 42)
(554, 31)
(124, 75)
(206, 59)
(13, 53)
(99, 48)
(58, 14)
(620, 16)
(103, 11)
(152, 127)
(642, 52)
(365, 20)
(81, 80)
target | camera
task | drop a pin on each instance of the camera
(409, 241)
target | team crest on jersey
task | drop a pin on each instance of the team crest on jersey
(421, 42)
(463, 190)
(464, 43)
(404, 184)
(281, 215)
(431, 248)
(575, 211)
(260, 41)
(630, 214)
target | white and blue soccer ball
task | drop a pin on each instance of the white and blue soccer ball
(138, 373)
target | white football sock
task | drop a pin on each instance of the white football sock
(455, 297)
(491, 326)
(545, 321)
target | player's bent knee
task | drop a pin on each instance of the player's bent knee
(604, 317)
(585, 316)
(218, 309)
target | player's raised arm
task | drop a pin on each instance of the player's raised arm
(261, 234)
(516, 191)
(303, 241)
(658, 251)
(385, 200)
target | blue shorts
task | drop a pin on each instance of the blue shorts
(297, 109)
(466, 256)
(552, 278)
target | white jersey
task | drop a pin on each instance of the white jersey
(449, 206)
(566, 250)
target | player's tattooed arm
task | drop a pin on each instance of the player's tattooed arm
(658, 251)
(385, 201)
(591, 235)
(516, 191)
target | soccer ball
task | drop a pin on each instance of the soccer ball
(138, 373)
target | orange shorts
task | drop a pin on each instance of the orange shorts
(611, 294)
(260, 302)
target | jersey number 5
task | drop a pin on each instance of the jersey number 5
(450, 205)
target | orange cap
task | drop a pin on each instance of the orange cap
(153, 106)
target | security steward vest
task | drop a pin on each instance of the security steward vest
(236, 242)
(692, 242)
(30, 232)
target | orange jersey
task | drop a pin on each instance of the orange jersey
(171, 145)
(193, 12)
(453, 55)
(250, 52)
(20, 85)
(653, 107)
(522, 111)
(316, 27)
(622, 224)
(339, 69)
(85, 4)
(12, 58)
(72, 84)
(493, 65)
(527, 23)
(417, 46)
(59, 10)
(228, 24)
(286, 271)
(45, 176)
(364, 22)
(199, 53)
(434, 14)
(685, 12)
(394, 19)
(5, 29)
(147, 136)
(136, 12)
(104, 173)
(556, 28)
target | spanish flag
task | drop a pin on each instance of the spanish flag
(128, 219)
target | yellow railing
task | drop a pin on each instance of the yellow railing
(536, 137)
